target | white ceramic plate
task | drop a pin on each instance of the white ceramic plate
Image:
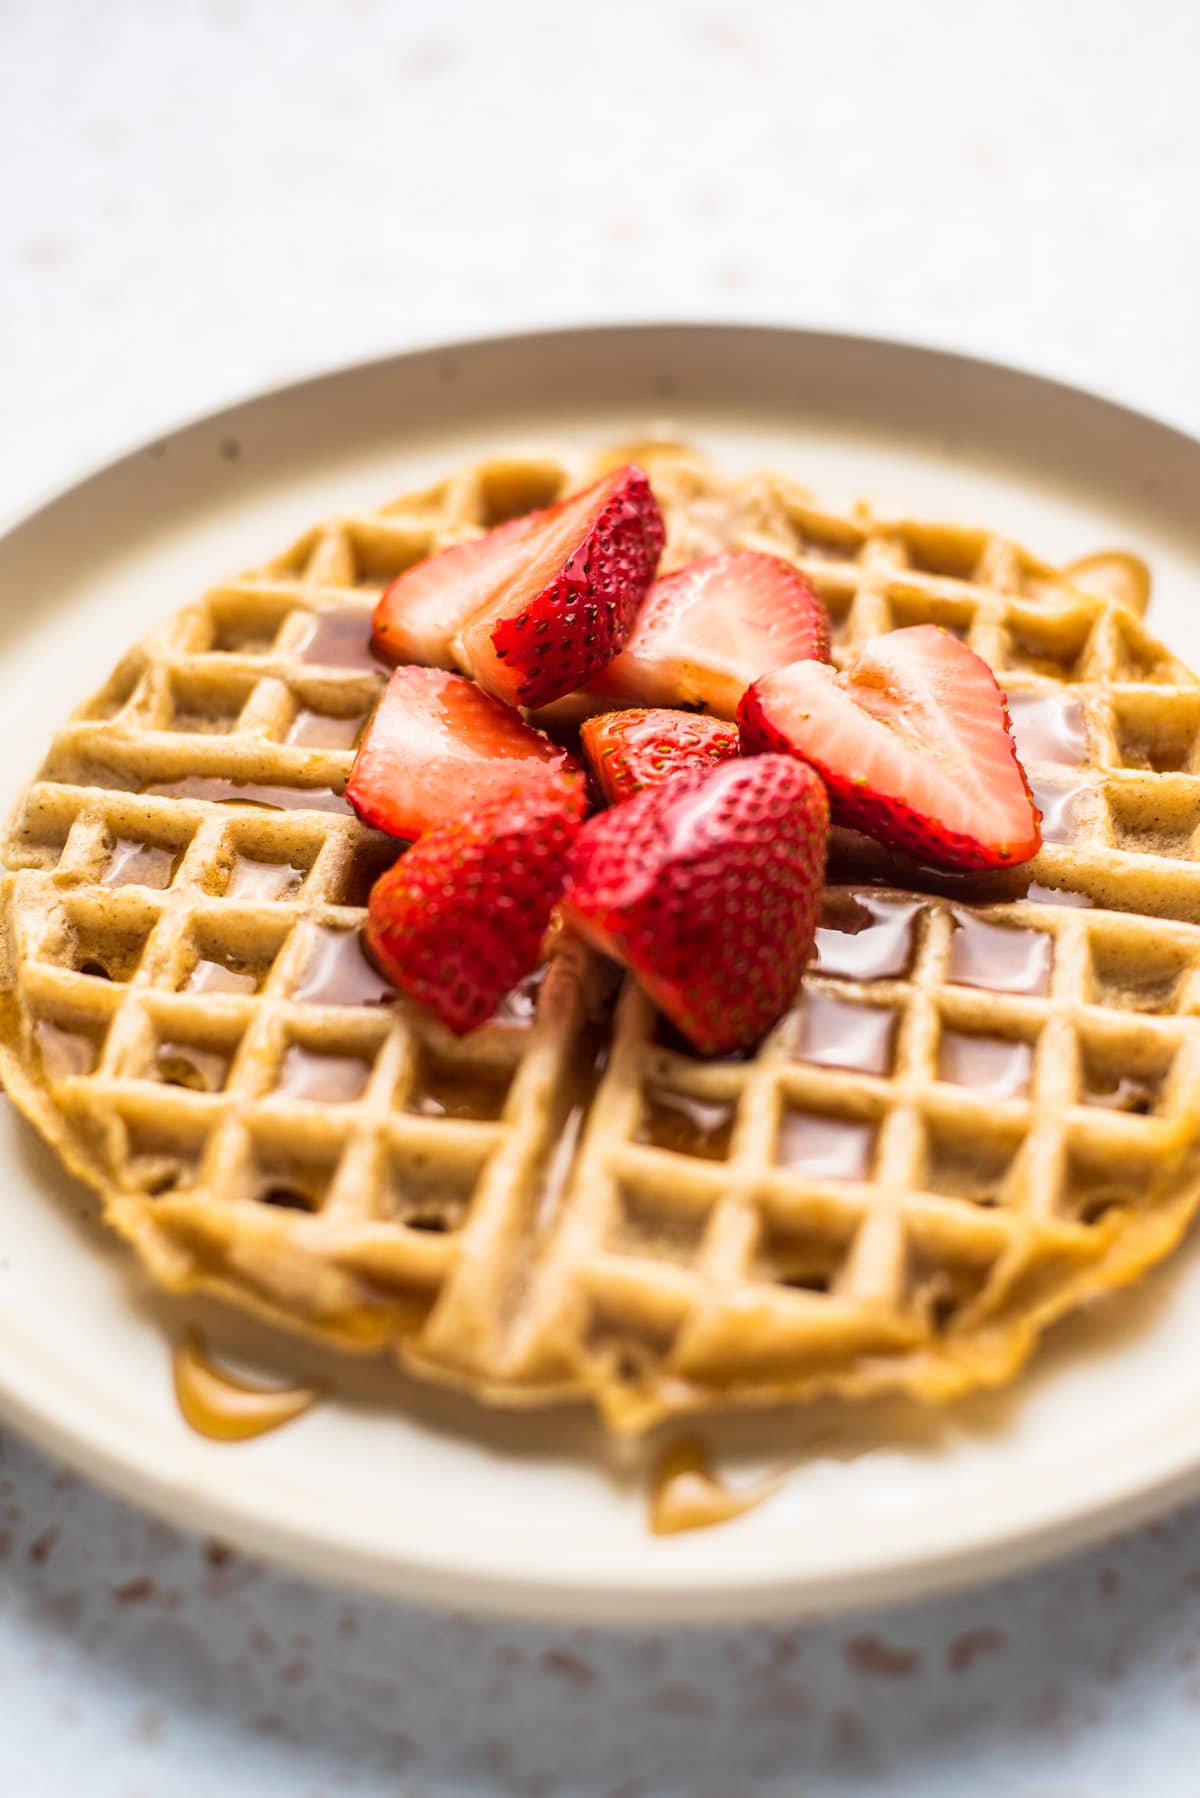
(418, 1494)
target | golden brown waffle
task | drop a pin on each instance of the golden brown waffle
(982, 1111)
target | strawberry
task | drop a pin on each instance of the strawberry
(436, 744)
(913, 742)
(707, 631)
(708, 888)
(418, 615)
(627, 751)
(538, 606)
(459, 919)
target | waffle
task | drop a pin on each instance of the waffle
(980, 1112)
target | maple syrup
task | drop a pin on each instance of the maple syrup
(341, 639)
(837, 1034)
(999, 958)
(65, 1052)
(987, 1063)
(322, 730)
(687, 1125)
(330, 1079)
(339, 972)
(1044, 895)
(824, 1148)
(253, 879)
(685, 1493)
(1048, 728)
(866, 939)
(519, 1007)
(222, 791)
(1059, 806)
(224, 1408)
(1124, 1094)
(1116, 574)
(182, 1064)
(445, 1091)
(232, 976)
(134, 863)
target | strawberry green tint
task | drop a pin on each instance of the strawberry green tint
(708, 888)
(436, 745)
(627, 751)
(460, 918)
(914, 744)
(709, 630)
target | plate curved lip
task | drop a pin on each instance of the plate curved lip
(510, 342)
(1074, 1515)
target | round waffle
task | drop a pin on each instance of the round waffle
(981, 1111)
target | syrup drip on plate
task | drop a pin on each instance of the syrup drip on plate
(685, 1493)
(224, 1408)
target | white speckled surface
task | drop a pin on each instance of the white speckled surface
(209, 200)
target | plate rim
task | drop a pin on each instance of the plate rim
(139, 1470)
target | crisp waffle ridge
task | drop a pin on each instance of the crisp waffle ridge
(981, 1111)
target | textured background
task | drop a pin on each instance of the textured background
(200, 200)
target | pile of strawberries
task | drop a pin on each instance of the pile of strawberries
(702, 872)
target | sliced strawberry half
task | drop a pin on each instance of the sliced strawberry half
(539, 606)
(627, 751)
(421, 613)
(914, 744)
(710, 629)
(460, 918)
(436, 745)
(708, 888)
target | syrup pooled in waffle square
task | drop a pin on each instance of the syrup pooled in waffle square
(980, 1112)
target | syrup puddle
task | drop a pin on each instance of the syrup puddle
(866, 939)
(685, 1493)
(339, 973)
(1059, 808)
(134, 863)
(321, 730)
(1047, 728)
(988, 1063)
(253, 879)
(221, 977)
(1000, 958)
(232, 792)
(341, 639)
(225, 1409)
(1116, 574)
(836, 1034)
(331, 1079)
(687, 1125)
(824, 1147)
